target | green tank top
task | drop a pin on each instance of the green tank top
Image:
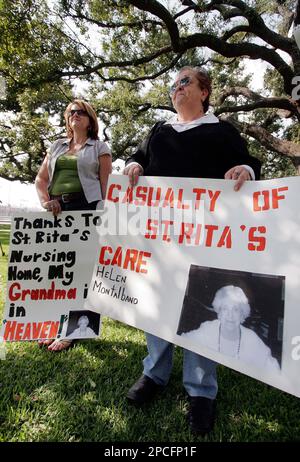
(65, 178)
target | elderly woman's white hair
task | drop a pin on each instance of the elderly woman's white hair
(83, 318)
(232, 295)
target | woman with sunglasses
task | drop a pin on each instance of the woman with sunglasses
(74, 175)
(192, 144)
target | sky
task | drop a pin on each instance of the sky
(16, 194)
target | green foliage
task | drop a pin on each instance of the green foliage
(124, 106)
(273, 165)
(125, 58)
(228, 75)
(32, 54)
(273, 83)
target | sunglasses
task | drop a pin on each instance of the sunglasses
(80, 112)
(184, 82)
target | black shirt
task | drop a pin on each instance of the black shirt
(205, 151)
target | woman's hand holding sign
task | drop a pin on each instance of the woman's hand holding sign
(133, 171)
(238, 173)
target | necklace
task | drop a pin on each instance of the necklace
(239, 342)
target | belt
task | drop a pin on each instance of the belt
(69, 197)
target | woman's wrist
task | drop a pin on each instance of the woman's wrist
(44, 203)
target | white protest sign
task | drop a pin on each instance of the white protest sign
(49, 270)
(192, 261)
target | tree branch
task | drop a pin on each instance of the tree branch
(146, 106)
(236, 91)
(229, 50)
(260, 105)
(235, 30)
(180, 45)
(14, 177)
(283, 147)
(113, 25)
(227, 13)
(288, 18)
(259, 102)
(155, 8)
(257, 25)
(146, 77)
(132, 62)
(182, 12)
(251, 50)
(297, 14)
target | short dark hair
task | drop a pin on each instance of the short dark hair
(204, 82)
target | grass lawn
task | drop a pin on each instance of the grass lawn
(79, 395)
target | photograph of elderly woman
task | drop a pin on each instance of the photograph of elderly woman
(236, 313)
(83, 324)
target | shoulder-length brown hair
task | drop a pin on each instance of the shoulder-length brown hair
(93, 127)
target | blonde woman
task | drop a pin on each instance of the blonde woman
(74, 175)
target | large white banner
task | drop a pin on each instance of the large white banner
(50, 265)
(210, 269)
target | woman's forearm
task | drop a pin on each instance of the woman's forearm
(104, 172)
(41, 183)
(42, 190)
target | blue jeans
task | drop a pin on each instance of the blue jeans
(199, 373)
